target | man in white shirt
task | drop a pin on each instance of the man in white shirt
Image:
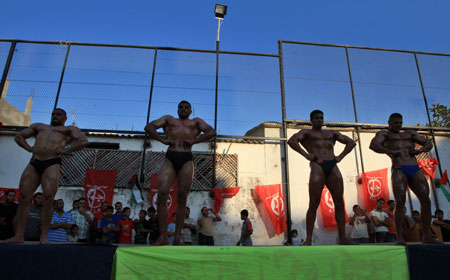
(359, 221)
(189, 227)
(381, 221)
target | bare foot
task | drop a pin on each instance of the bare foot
(161, 241)
(307, 243)
(45, 242)
(346, 242)
(431, 240)
(178, 242)
(13, 240)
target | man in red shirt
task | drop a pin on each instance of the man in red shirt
(126, 226)
(392, 232)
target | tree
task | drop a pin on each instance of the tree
(441, 115)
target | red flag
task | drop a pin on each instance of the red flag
(327, 209)
(374, 186)
(428, 166)
(221, 193)
(171, 199)
(272, 198)
(99, 187)
(3, 193)
(444, 179)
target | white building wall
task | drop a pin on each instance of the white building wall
(258, 164)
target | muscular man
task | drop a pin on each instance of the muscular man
(44, 168)
(180, 134)
(400, 147)
(319, 145)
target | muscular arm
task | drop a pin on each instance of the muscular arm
(294, 141)
(151, 128)
(377, 143)
(207, 131)
(426, 144)
(349, 145)
(25, 134)
(78, 138)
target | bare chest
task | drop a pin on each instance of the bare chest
(182, 128)
(53, 135)
(399, 140)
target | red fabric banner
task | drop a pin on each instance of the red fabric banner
(444, 179)
(272, 198)
(327, 209)
(99, 188)
(171, 199)
(374, 186)
(428, 166)
(3, 193)
(221, 193)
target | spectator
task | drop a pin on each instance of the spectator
(381, 221)
(246, 230)
(73, 234)
(171, 228)
(206, 226)
(416, 217)
(188, 229)
(408, 226)
(153, 222)
(7, 212)
(142, 227)
(392, 231)
(74, 206)
(61, 221)
(119, 214)
(109, 227)
(126, 226)
(33, 228)
(443, 224)
(360, 221)
(83, 218)
(295, 240)
(95, 233)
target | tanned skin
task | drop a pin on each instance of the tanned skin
(50, 141)
(181, 134)
(318, 145)
(400, 147)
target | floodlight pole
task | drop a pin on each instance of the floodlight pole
(219, 22)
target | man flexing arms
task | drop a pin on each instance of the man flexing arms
(319, 145)
(44, 168)
(180, 134)
(400, 147)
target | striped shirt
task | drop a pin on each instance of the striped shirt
(83, 225)
(59, 234)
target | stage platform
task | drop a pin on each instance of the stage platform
(76, 261)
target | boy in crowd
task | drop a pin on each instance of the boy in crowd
(126, 226)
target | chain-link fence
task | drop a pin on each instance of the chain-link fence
(118, 88)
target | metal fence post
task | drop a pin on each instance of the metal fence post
(429, 122)
(142, 175)
(62, 75)
(215, 113)
(283, 143)
(7, 66)
(354, 108)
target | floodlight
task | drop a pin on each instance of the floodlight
(220, 11)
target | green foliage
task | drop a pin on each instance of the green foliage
(441, 115)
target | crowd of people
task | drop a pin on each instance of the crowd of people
(110, 224)
(378, 225)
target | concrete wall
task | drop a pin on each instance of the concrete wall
(258, 164)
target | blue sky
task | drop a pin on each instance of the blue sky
(249, 25)
(315, 77)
